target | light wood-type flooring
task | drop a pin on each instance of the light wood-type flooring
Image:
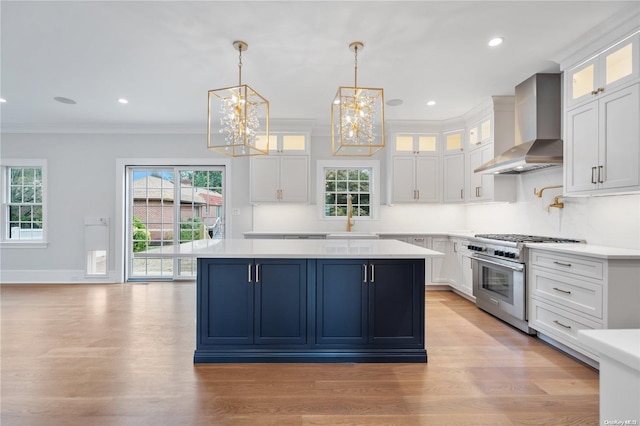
(121, 354)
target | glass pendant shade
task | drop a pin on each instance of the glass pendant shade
(235, 117)
(357, 121)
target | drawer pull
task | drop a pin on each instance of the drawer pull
(561, 324)
(561, 263)
(561, 290)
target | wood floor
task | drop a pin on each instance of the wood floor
(121, 354)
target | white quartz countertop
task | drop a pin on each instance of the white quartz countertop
(301, 249)
(589, 250)
(622, 345)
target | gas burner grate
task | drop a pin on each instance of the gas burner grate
(519, 238)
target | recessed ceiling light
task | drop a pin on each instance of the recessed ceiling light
(64, 100)
(431, 103)
(394, 102)
(497, 41)
(123, 101)
(2, 100)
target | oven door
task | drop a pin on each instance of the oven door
(499, 286)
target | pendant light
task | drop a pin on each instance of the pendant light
(241, 115)
(357, 117)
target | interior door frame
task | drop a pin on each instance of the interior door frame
(120, 242)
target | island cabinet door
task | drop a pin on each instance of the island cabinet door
(280, 301)
(396, 302)
(225, 301)
(341, 302)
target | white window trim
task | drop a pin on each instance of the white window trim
(374, 165)
(5, 163)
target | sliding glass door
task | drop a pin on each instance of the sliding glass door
(169, 207)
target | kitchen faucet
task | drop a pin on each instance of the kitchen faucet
(556, 203)
(349, 214)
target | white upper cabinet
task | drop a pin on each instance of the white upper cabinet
(279, 179)
(416, 168)
(416, 180)
(602, 146)
(602, 116)
(285, 143)
(612, 68)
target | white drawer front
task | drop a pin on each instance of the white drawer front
(572, 293)
(562, 326)
(586, 267)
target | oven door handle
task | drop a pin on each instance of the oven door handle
(518, 268)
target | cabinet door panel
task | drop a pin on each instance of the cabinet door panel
(294, 178)
(404, 176)
(619, 147)
(229, 300)
(427, 179)
(280, 305)
(581, 148)
(264, 178)
(453, 178)
(396, 301)
(341, 302)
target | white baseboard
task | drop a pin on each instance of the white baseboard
(54, 276)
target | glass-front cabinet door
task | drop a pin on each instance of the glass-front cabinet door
(416, 144)
(612, 68)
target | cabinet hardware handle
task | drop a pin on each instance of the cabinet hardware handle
(373, 273)
(249, 273)
(494, 301)
(593, 172)
(364, 265)
(461, 197)
(600, 170)
(561, 263)
(418, 192)
(561, 290)
(594, 92)
(257, 272)
(600, 89)
(455, 247)
(561, 324)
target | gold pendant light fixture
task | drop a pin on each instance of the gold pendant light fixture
(357, 117)
(241, 115)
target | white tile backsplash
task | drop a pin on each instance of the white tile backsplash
(607, 220)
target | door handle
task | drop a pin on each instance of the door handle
(593, 172)
(461, 196)
(257, 272)
(249, 273)
(373, 273)
(600, 170)
(364, 266)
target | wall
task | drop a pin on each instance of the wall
(83, 181)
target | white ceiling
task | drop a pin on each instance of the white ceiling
(164, 56)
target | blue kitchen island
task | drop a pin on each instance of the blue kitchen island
(310, 301)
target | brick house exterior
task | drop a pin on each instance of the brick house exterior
(153, 205)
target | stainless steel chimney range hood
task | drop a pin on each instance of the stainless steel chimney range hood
(537, 128)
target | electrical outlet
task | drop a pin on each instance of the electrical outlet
(235, 212)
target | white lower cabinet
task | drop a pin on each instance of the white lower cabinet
(460, 274)
(569, 292)
(439, 265)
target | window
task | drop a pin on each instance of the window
(24, 194)
(344, 182)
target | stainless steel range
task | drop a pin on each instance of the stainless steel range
(499, 275)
